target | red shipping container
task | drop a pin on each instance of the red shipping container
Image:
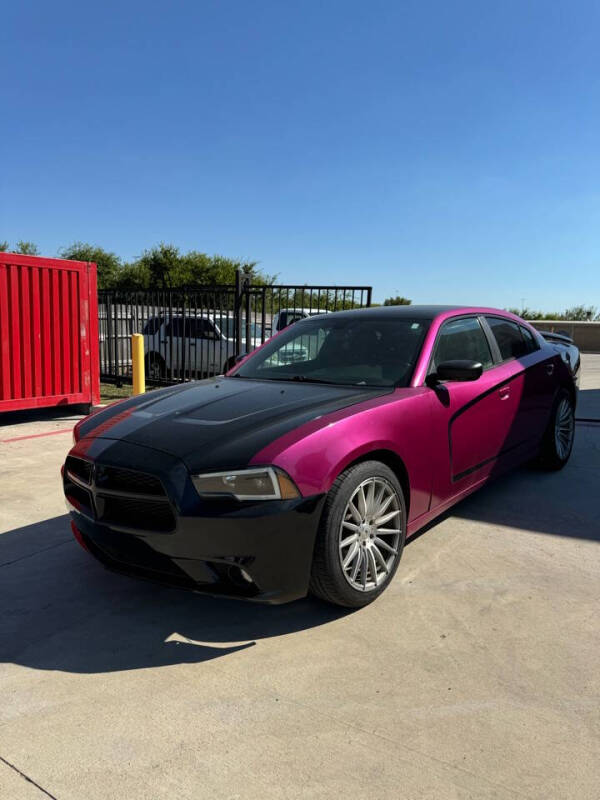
(48, 332)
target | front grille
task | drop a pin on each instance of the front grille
(119, 497)
(134, 512)
(79, 468)
(127, 480)
(80, 498)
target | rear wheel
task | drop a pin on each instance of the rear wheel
(361, 536)
(560, 434)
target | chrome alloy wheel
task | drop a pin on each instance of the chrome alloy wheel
(564, 428)
(369, 534)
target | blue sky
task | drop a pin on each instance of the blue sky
(446, 151)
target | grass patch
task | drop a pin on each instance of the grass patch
(109, 392)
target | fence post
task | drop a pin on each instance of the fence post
(237, 309)
(248, 317)
(137, 363)
(369, 295)
(263, 315)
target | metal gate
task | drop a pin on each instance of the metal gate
(195, 333)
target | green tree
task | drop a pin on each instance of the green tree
(165, 267)
(397, 301)
(134, 276)
(575, 314)
(200, 269)
(581, 313)
(3, 247)
(109, 264)
(27, 248)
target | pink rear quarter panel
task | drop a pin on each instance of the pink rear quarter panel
(315, 453)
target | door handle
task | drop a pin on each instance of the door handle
(550, 369)
(504, 392)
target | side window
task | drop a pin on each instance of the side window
(199, 329)
(508, 336)
(153, 326)
(205, 329)
(174, 327)
(462, 339)
(530, 343)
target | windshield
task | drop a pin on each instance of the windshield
(227, 326)
(352, 350)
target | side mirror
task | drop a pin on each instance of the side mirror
(233, 360)
(459, 370)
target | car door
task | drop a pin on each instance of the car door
(171, 342)
(470, 418)
(531, 375)
(210, 347)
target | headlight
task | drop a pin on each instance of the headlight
(262, 483)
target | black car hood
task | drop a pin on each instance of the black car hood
(220, 422)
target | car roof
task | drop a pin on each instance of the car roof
(298, 310)
(410, 312)
(425, 312)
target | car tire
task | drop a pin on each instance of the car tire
(557, 443)
(352, 572)
(156, 369)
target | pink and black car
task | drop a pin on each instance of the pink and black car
(308, 466)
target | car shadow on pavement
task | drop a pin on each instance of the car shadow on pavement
(61, 610)
(588, 405)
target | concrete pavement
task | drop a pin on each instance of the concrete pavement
(474, 676)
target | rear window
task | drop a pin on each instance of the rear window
(511, 342)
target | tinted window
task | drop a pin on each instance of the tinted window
(152, 326)
(508, 336)
(287, 318)
(351, 350)
(530, 343)
(462, 339)
(174, 327)
(199, 329)
(194, 328)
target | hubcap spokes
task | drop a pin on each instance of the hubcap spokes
(564, 428)
(369, 534)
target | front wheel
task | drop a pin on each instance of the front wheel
(560, 433)
(361, 536)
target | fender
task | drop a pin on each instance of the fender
(315, 453)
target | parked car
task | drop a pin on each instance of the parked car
(283, 478)
(287, 316)
(201, 345)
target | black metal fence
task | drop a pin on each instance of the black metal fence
(195, 333)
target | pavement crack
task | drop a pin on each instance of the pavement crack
(37, 552)
(443, 763)
(27, 778)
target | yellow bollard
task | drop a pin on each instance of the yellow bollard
(137, 362)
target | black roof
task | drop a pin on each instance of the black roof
(411, 312)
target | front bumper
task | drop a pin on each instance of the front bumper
(214, 546)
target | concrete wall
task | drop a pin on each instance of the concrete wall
(586, 335)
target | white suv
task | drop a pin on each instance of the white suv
(287, 316)
(199, 346)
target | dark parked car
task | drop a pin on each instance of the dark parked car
(288, 476)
